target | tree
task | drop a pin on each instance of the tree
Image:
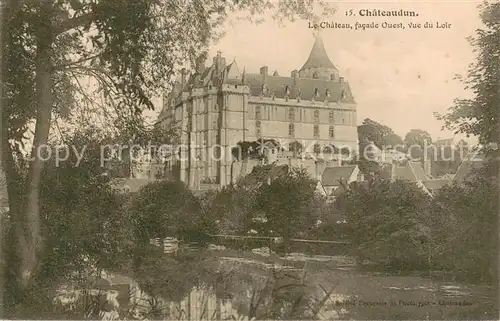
(371, 132)
(479, 116)
(232, 207)
(416, 142)
(463, 220)
(381, 135)
(417, 137)
(286, 202)
(168, 209)
(84, 223)
(126, 57)
(385, 224)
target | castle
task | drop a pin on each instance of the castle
(214, 108)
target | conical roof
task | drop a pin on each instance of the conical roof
(318, 57)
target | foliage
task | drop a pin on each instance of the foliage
(381, 135)
(465, 227)
(446, 159)
(232, 208)
(167, 209)
(417, 137)
(247, 150)
(416, 141)
(286, 203)
(84, 223)
(47, 55)
(384, 223)
(479, 116)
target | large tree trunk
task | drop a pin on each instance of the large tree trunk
(29, 234)
(3, 180)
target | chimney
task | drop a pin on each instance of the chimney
(183, 77)
(263, 72)
(295, 76)
(219, 62)
(427, 168)
(341, 80)
(200, 64)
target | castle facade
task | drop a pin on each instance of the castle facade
(214, 108)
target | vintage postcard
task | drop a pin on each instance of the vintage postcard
(249, 159)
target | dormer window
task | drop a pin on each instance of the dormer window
(257, 112)
(316, 92)
(264, 89)
(327, 93)
(287, 90)
(315, 75)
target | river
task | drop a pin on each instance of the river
(305, 287)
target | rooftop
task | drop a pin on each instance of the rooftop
(333, 175)
(318, 58)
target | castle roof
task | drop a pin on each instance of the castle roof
(305, 87)
(280, 87)
(318, 58)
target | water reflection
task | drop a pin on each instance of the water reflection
(222, 285)
(315, 287)
(199, 304)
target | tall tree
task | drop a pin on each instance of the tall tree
(379, 134)
(480, 115)
(372, 132)
(417, 137)
(416, 142)
(129, 48)
(287, 201)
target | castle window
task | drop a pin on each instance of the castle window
(257, 123)
(328, 93)
(257, 128)
(316, 131)
(215, 107)
(316, 92)
(343, 95)
(291, 114)
(291, 130)
(287, 90)
(331, 117)
(316, 115)
(331, 132)
(257, 112)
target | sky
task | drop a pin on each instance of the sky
(398, 77)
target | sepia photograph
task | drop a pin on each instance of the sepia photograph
(249, 159)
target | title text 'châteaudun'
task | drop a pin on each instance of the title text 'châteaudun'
(387, 13)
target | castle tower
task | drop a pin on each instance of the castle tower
(319, 65)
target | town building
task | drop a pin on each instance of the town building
(216, 107)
